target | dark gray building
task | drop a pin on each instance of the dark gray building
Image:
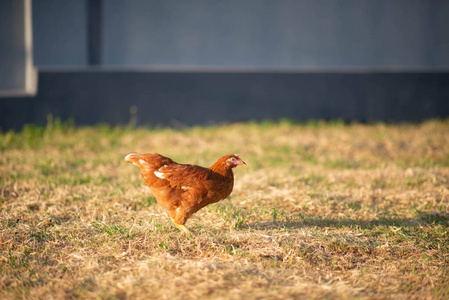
(205, 61)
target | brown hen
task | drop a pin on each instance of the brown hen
(182, 189)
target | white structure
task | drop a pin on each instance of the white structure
(17, 72)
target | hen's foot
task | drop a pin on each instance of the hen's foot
(181, 227)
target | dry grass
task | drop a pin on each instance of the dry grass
(323, 210)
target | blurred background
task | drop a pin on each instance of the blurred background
(172, 62)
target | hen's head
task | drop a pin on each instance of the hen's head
(233, 160)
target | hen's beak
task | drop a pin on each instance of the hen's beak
(241, 162)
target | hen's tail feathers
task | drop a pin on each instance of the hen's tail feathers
(134, 158)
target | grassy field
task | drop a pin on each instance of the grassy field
(323, 210)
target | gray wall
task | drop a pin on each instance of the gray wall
(12, 70)
(173, 98)
(60, 32)
(255, 33)
(377, 60)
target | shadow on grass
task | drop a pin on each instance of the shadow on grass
(432, 218)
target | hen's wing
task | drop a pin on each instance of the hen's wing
(196, 184)
(191, 181)
(185, 177)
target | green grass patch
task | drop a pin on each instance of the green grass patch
(323, 210)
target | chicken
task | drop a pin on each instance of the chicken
(181, 189)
